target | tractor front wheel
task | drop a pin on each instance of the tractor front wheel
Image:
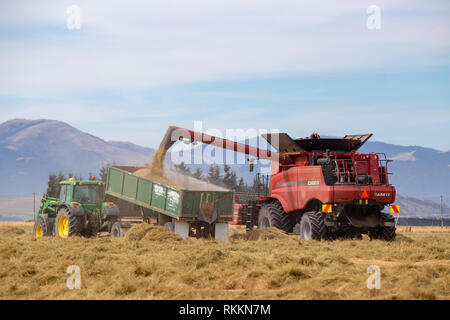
(67, 224)
(43, 227)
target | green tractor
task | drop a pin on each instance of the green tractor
(80, 210)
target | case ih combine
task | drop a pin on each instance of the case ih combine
(319, 188)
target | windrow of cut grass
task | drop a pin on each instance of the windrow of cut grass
(150, 263)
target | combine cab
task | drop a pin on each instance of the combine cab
(318, 188)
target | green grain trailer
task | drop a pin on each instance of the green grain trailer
(187, 206)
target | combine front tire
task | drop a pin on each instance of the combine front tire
(68, 225)
(273, 215)
(43, 227)
(312, 226)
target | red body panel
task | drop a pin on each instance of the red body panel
(297, 186)
(379, 193)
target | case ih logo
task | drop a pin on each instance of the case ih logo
(299, 183)
(378, 194)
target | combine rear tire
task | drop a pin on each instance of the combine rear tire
(68, 225)
(385, 233)
(273, 215)
(43, 227)
(312, 226)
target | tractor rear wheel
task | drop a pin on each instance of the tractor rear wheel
(385, 233)
(312, 226)
(43, 227)
(67, 224)
(273, 215)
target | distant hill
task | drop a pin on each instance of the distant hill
(18, 209)
(416, 208)
(418, 172)
(31, 149)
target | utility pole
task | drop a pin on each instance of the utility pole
(442, 213)
(34, 205)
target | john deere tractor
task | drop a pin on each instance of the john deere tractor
(80, 210)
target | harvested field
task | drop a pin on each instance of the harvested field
(267, 264)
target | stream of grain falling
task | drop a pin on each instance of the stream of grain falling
(155, 171)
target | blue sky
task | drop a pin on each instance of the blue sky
(136, 67)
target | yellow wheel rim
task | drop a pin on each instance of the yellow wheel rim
(63, 227)
(39, 232)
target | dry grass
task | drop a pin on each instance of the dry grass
(422, 229)
(151, 264)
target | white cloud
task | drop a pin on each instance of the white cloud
(406, 156)
(126, 47)
(144, 43)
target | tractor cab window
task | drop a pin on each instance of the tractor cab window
(86, 194)
(63, 194)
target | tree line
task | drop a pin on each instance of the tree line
(228, 178)
(54, 180)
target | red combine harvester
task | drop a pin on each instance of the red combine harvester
(320, 188)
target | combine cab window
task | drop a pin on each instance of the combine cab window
(87, 194)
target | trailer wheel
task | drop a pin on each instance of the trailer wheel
(43, 227)
(273, 215)
(312, 226)
(117, 231)
(68, 225)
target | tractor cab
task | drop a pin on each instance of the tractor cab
(87, 194)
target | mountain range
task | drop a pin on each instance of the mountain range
(32, 149)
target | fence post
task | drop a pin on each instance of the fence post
(34, 206)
